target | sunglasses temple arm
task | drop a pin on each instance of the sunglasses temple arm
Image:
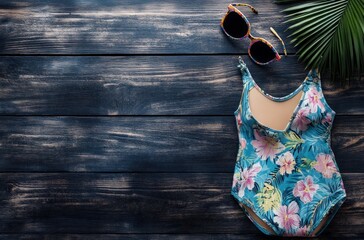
(280, 39)
(245, 5)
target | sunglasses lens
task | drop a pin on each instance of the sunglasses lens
(261, 52)
(235, 25)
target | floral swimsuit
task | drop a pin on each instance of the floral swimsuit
(287, 181)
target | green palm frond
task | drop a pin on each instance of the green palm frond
(328, 35)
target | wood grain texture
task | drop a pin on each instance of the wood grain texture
(124, 27)
(142, 203)
(120, 125)
(152, 236)
(148, 85)
(143, 144)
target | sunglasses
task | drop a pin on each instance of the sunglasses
(237, 26)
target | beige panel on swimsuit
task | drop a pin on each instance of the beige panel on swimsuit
(272, 114)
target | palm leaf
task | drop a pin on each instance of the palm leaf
(328, 35)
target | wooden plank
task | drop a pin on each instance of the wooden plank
(135, 236)
(215, 236)
(143, 144)
(142, 203)
(128, 27)
(148, 85)
(131, 236)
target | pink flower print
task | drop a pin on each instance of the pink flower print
(325, 165)
(301, 121)
(238, 119)
(305, 189)
(286, 163)
(287, 217)
(242, 143)
(266, 146)
(302, 231)
(248, 178)
(314, 100)
(327, 119)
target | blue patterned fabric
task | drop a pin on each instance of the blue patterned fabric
(289, 178)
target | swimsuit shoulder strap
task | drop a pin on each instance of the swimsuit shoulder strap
(314, 77)
(245, 74)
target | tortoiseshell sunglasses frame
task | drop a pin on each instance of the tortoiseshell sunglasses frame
(232, 8)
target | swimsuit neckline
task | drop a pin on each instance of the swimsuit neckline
(277, 99)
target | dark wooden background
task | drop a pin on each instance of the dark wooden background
(117, 120)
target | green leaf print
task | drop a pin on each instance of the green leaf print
(307, 163)
(320, 207)
(268, 198)
(275, 177)
(293, 139)
(247, 161)
(256, 187)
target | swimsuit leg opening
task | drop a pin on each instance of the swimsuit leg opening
(327, 216)
(265, 227)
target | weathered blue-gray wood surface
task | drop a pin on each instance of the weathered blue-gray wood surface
(126, 27)
(148, 85)
(143, 143)
(116, 120)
